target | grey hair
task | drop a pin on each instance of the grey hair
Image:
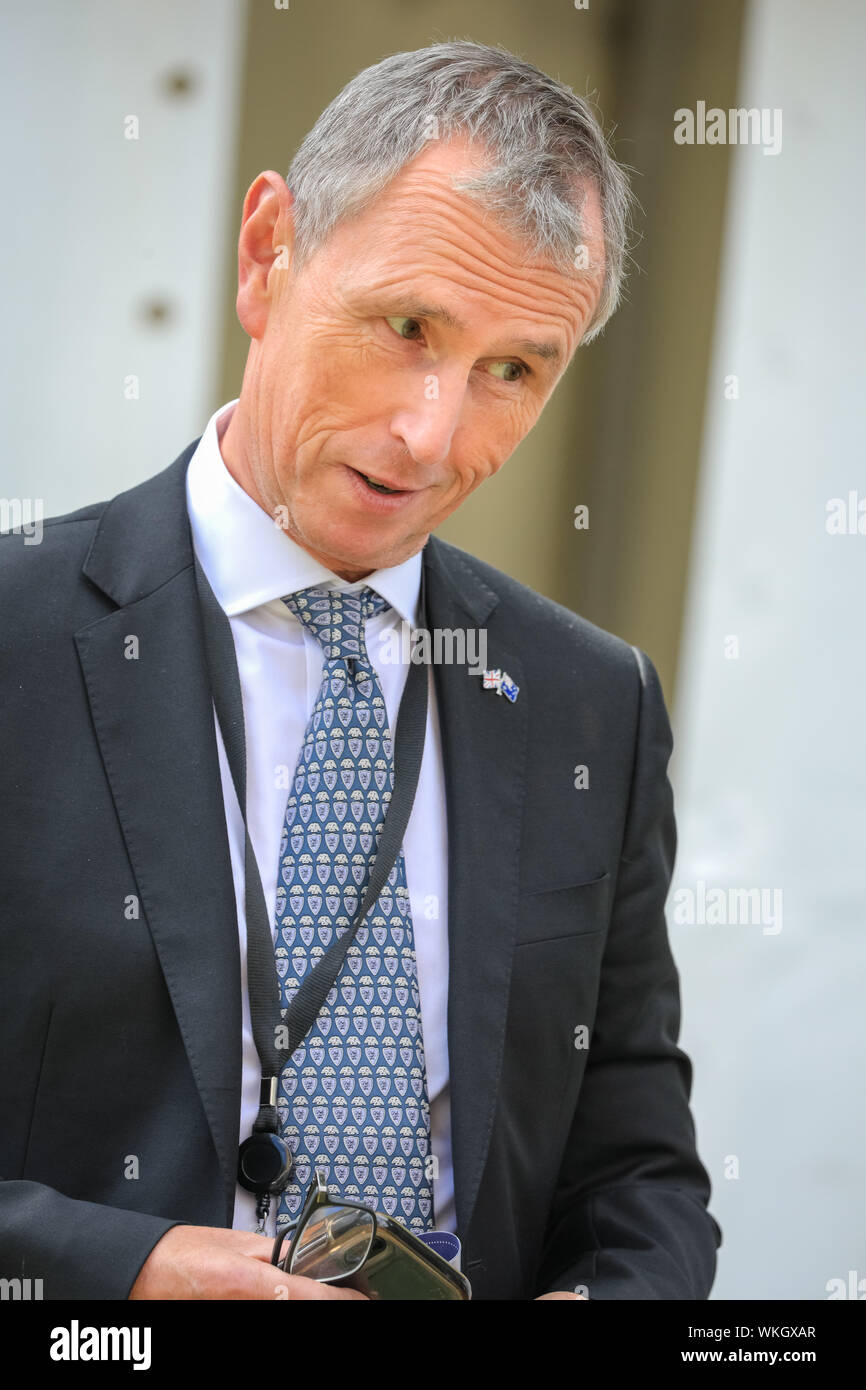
(543, 138)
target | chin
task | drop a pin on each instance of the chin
(348, 550)
(357, 559)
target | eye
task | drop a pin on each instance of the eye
(398, 320)
(516, 370)
(517, 367)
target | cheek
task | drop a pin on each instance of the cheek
(326, 362)
(471, 469)
(488, 442)
(318, 403)
(354, 387)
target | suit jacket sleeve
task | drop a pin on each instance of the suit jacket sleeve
(629, 1218)
(78, 1249)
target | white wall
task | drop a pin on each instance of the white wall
(769, 770)
(97, 225)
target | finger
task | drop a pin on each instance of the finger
(260, 1247)
(294, 1287)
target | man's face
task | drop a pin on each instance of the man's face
(416, 348)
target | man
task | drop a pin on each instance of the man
(450, 231)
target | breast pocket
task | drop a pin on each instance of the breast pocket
(572, 909)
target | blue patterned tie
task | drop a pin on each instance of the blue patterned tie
(353, 1097)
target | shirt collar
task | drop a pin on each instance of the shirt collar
(250, 561)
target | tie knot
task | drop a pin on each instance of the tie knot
(337, 618)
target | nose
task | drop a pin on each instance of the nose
(426, 426)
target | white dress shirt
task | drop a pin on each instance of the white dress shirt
(251, 564)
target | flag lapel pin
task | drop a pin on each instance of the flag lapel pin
(501, 682)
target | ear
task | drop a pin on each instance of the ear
(264, 249)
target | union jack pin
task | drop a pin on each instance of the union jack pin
(501, 682)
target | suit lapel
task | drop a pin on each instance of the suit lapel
(484, 748)
(153, 719)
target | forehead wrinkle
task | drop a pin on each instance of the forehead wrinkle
(432, 186)
(488, 241)
(411, 283)
(522, 300)
(425, 185)
(483, 264)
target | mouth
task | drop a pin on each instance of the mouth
(378, 496)
(377, 486)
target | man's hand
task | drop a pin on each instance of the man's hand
(198, 1262)
(560, 1293)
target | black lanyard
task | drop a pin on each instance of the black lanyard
(271, 1026)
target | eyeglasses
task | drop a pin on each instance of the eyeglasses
(331, 1238)
(338, 1241)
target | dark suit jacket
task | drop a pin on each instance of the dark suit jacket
(121, 1033)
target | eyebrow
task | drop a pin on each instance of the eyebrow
(548, 352)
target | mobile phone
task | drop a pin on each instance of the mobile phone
(400, 1265)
